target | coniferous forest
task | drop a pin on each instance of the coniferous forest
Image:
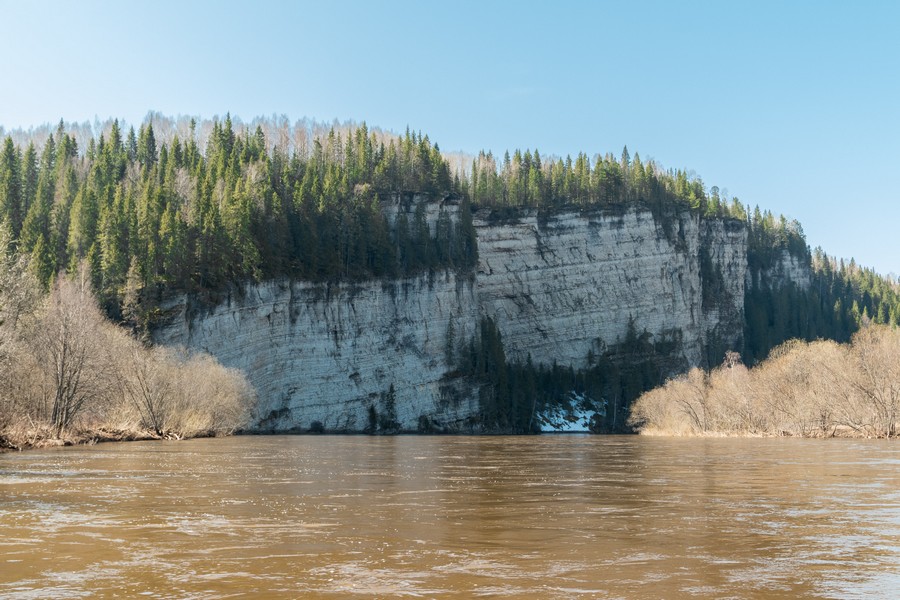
(202, 207)
(152, 217)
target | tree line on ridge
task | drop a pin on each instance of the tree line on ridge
(203, 207)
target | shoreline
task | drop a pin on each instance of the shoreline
(837, 433)
(87, 437)
(102, 436)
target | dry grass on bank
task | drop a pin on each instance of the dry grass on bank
(68, 375)
(818, 389)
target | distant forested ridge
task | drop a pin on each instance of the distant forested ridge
(840, 296)
(197, 207)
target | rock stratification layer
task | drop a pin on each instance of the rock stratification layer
(562, 286)
(348, 355)
(329, 354)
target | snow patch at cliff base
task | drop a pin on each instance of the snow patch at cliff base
(578, 415)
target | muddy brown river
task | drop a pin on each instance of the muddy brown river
(564, 516)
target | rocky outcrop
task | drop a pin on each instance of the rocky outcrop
(351, 356)
(336, 355)
(785, 269)
(561, 286)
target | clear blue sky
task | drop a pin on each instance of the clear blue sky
(794, 106)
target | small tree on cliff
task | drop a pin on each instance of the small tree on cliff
(388, 421)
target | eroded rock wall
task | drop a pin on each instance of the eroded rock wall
(561, 286)
(330, 354)
(556, 287)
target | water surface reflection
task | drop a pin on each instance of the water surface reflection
(551, 516)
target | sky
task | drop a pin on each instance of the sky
(791, 106)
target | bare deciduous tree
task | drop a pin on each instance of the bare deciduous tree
(875, 354)
(70, 352)
(148, 383)
(19, 297)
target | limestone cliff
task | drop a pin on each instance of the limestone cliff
(329, 354)
(561, 286)
(557, 287)
(785, 269)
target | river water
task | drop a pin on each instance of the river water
(564, 516)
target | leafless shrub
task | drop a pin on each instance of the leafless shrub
(177, 395)
(215, 400)
(657, 411)
(807, 389)
(65, 367)
(874, 380)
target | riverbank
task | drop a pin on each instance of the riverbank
(18, 441)
(65, 367)
(832, 433)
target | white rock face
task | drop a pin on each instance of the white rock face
(786, 269)
(329, 353)
(561, 288)
(556, 288)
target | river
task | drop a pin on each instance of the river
(565, 516)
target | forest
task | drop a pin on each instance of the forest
(203, 207)
(840, 297)
(151, 216)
